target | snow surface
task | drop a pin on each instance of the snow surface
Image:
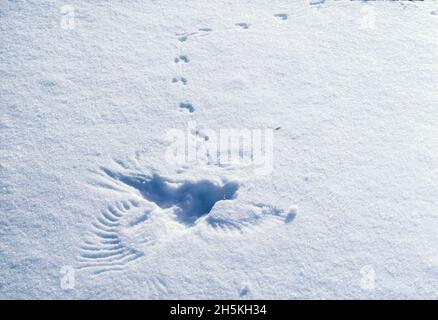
(348, 211)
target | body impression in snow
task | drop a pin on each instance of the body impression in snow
(156, 209)
(192, 199)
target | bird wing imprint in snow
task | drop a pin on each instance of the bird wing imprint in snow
(153, 210)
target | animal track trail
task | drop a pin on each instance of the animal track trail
(180, 60)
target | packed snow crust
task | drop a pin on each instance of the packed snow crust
(95, 204)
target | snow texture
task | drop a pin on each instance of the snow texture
(91, 206)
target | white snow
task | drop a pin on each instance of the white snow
(91, 206)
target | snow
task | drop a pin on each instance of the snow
(96, 203)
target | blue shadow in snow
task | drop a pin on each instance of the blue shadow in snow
(192, 198)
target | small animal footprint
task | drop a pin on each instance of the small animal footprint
(182, 58)
(243, 25)
(244, 291)
(188, 106)
(200, 134)
(180, 79)
(182, 37)
(282, 16)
